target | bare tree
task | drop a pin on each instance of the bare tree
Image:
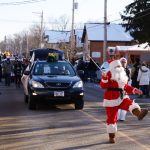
(60, 24)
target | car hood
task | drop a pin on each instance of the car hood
(54, 78)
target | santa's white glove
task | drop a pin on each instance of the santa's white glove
(104, 74)
(137, 91)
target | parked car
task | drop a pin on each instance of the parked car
(56, 82)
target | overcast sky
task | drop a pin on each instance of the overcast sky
(16, 18)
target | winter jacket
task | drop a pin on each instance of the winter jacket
(7, 67)
(143, 76)
(113, 98)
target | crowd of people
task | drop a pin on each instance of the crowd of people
(138, 73)
(12, 70)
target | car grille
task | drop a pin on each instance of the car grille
(58, 85)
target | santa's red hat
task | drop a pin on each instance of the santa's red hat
(123, 60)
(114, 63)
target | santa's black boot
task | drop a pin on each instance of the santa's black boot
(140, 113)
(112, 137)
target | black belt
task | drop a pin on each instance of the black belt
(117, 89)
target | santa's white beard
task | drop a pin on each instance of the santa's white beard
(119, 75)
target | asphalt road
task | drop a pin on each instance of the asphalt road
(63, 128)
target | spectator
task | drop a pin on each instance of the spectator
(25, 63)
(0, 70)
(144, 79)
(7, 66)
(81, 66)
(92, 70)
(17, 72)
(134, 73)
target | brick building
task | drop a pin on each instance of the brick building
(93, 39)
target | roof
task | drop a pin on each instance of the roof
(63, 36)
(115, 32)
(123, 48)
(138, 47)
(57, 36)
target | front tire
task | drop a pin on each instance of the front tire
(25, 98)
(79, 104)
(31, 103)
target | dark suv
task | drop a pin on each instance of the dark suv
(55, 82)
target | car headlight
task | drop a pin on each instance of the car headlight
(36, 84)
(78, 84)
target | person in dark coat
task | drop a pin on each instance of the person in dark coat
(7, 67)
(92, 68)
(81, 66)
(0, 69)
(134, 73)
(18, 72)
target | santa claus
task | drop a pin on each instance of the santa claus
(115, 81)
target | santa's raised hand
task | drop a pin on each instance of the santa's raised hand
(137, 91)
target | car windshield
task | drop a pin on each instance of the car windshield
(53, 68)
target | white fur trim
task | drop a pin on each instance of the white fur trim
(133, 106)
(114, 64)
(104, 81)
(125, 96)
(123, 59)
(113, 102)
(111, 128)
(122, 114)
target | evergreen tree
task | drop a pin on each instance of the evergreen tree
(136, 19)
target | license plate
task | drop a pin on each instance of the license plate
(59, 93)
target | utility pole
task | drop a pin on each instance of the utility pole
(72, 42)
(41, 32)
(27, 48)
(72, 29)
(41, 28)
(105, 31)
(20, 48)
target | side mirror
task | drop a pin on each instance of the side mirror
(104, 67)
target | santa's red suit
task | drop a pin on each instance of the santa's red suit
(116, 95)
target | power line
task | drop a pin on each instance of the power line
(21, 3)
(21, 21)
